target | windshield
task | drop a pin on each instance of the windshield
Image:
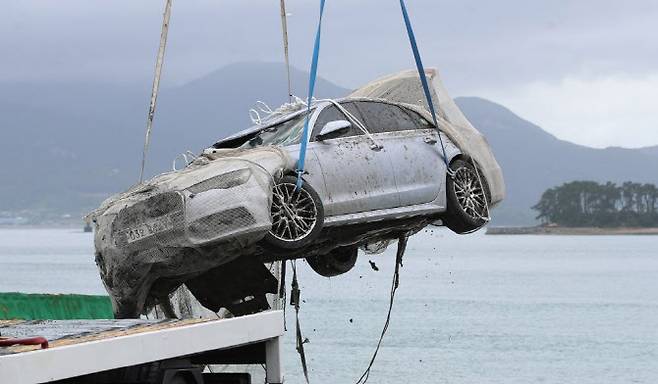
(286, 133)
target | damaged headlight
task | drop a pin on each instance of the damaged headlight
(223, 181)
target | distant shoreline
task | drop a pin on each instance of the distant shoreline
(582, 231)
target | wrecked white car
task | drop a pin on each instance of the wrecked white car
(374, 171)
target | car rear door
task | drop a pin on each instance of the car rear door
(411, 143)
(357, 177)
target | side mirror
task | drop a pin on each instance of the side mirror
(333, 129)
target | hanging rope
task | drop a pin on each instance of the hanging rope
(311, 89)
(402, 246)
(295, 298)
(156, 84)
(423, 78)
(282, 291)
(284, 29)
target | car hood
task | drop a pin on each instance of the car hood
(212, 162)
(405, 87)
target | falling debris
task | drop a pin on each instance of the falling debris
(373, 265)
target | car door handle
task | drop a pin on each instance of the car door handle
(430, 140)
(376, 147)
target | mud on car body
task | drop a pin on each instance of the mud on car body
(375, 169)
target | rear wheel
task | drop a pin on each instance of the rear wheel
(297, 215)
(337, 262)
(467, 197)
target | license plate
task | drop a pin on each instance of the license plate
(150, 228)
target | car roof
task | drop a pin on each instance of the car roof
(319, 104)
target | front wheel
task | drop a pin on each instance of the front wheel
(467, 198)
(297, 215)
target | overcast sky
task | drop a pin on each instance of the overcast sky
(585, 70)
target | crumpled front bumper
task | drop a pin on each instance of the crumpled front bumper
(185, 219)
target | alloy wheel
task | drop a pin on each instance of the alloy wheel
(294, 214)
(469, 192)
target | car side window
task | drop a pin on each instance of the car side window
(331, 113)
(420, 121)
(382, 117)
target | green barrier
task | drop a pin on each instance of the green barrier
(21, 306)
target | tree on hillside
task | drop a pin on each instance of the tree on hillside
(590, 204)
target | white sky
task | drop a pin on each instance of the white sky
(586, 71)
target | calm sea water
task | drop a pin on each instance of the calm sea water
(470, 309)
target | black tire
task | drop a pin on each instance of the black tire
(466, 210)
(299, 211)
(337, 262)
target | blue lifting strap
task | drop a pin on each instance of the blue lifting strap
(311, 90)
(313, 77)
(423, 78)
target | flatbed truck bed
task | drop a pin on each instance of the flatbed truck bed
(142, 351)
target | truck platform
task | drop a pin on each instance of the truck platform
(141, 351)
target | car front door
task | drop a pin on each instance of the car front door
(357, 177)
(412, 145)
